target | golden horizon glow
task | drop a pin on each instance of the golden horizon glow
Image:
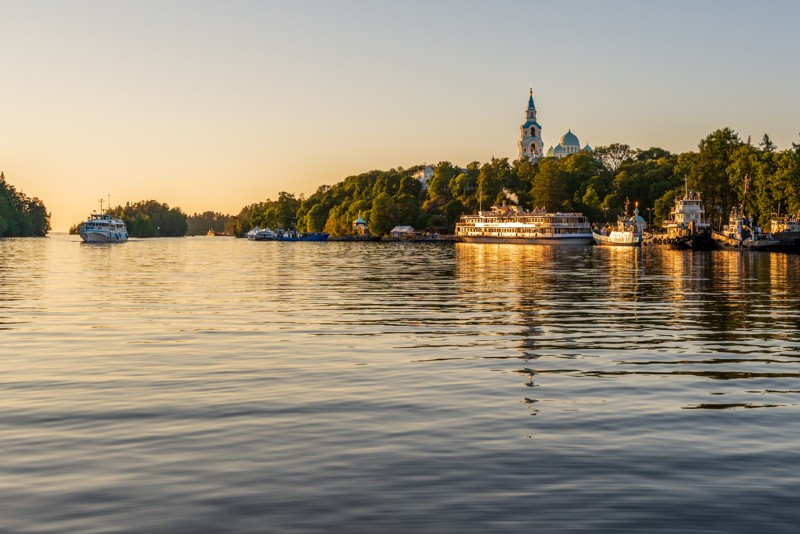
(213, 106)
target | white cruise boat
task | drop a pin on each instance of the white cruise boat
(261, 234)
(103, 228)
(512, 224)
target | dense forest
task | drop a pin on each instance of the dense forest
(726, 170)
(201, 223)
(21, 216)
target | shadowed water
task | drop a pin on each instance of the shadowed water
(213, 384)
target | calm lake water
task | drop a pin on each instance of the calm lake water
(213, 384)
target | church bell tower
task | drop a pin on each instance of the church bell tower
(530, 138)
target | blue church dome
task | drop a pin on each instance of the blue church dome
(570, 139)
(587, 148)
(559, 149)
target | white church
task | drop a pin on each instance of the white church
(530, 143)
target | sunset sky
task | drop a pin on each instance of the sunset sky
(215, 105)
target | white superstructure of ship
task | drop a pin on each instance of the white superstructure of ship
(512, 224)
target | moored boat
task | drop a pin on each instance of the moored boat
(786, 229)
(261, 234)
(741, 232)
(512, 224)
(629, 231)
(686, 227)
(620, 236)
(293, 235)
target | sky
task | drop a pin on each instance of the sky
(214, 105)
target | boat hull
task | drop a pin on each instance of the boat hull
(103, 237)
(309, 237)
(618, 239)
(577, 239)
(762, 243)
(790, 241)
(686, 242)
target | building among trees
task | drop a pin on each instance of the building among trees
(567, 146)
(424, 176)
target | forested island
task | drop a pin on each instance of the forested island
(597, 184)
(21, 216)
(725, 169)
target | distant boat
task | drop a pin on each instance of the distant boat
(103, 228)
(213, 233)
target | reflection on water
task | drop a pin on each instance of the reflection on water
(219, 384)
(22, 279)
(611, 311)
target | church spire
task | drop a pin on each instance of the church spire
(530, 140)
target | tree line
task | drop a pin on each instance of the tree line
(21, 216)
(725, 169)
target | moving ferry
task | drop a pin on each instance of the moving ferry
(103, 228)
(512, 224)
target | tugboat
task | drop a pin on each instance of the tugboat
(786, 229)
(103, 228)
(742, 233)
(686, 227)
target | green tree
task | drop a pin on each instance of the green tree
(382, 215)
(488, 185)
(708, 173)
(21, 216)
(549, 186)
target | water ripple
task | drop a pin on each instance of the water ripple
(210, 384)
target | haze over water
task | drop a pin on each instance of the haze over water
(218, 384)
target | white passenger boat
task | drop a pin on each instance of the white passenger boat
(261, 234)
(629, 231)
(622, 235)
(512, 224)
(103, 228)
